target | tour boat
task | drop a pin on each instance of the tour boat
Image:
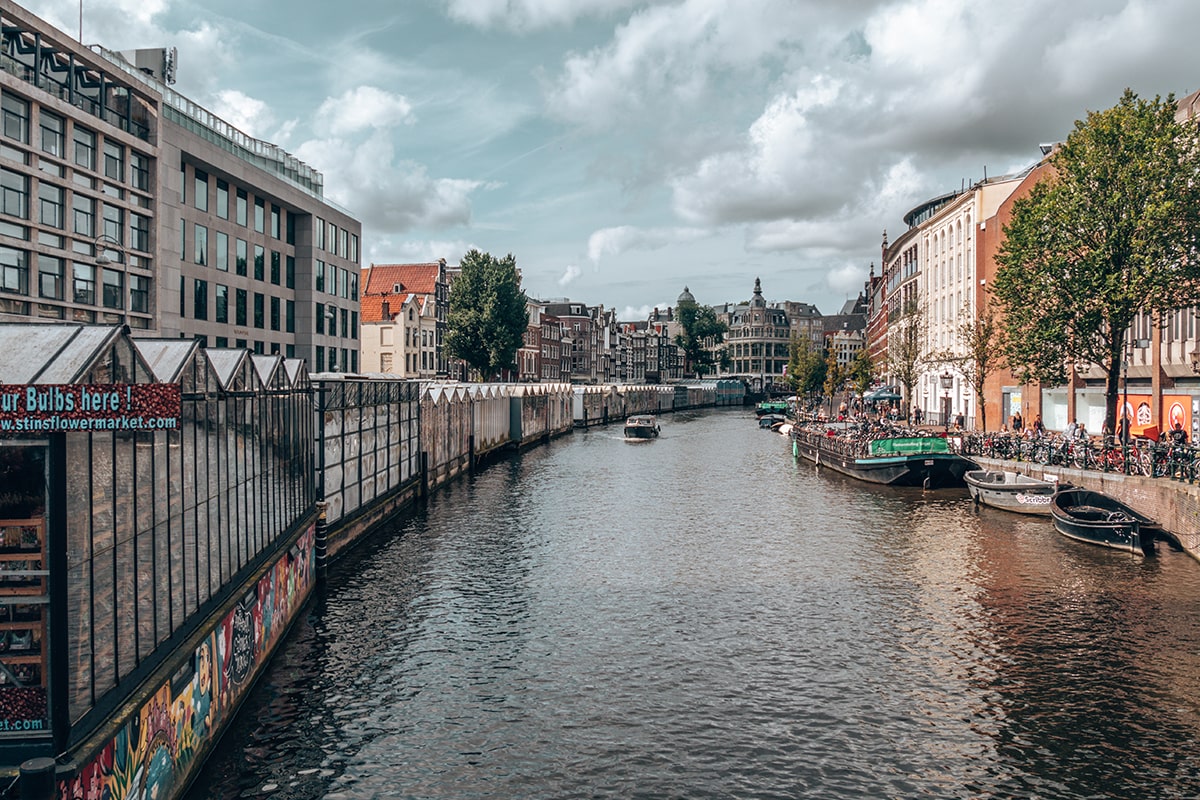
(924, 461)
(1100, 519)
(641, 426)
(1010, 491)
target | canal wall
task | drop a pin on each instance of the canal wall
(1175, 504)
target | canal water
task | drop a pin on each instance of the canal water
(699, 616)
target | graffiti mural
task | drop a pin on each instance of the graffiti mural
(153, 753)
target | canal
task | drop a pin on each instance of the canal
(699, 616)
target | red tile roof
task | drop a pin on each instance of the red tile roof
(379, 282)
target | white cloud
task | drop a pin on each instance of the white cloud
(361, 109)
(569, 275)
(614, 241)
(847, 279)
(247, 114)
(520, 15)
(387, 194)
(391, 250)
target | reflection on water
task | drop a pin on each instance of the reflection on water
(700, 616)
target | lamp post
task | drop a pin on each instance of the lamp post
(947, 381)
(103, 245)
(1123, 429)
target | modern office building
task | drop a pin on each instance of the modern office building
(121, 201)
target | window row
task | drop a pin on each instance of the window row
(62, 209)
(66, 139)
(327, 317)
(347, 363)
(282, 313)
(212, 192)
(335, 280)
(332, 239)
(90, 284)
(282, 268)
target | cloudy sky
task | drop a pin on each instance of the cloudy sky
(622, 149)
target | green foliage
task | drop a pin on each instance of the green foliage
(982, 337)
(806, 367)
(835, 375)
(488, 314)
(701, 334)
(1111, 234)
(860, 372)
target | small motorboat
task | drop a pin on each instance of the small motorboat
(641, 426)
(771, 420)
(1098, 518)
(1010, 491)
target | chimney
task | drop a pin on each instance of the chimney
(387, 310)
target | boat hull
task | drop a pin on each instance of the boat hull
(1010, 491)
(1099, 519)
(639, 428)
(926, 470)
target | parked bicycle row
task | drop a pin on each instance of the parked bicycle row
(1106, 454)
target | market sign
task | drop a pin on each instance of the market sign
(89, 407)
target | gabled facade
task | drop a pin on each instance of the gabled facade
(404, 309)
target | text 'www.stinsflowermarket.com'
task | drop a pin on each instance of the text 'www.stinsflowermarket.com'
(44, 424)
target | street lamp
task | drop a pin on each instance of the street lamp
(105, 244)
(947, 381)
(1123, 430)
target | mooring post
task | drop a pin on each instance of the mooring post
(36, 779)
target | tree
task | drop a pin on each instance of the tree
(835, 376)
(702, 332)
(1111, 234)
(488, 314)
(806, 367)
(982, 338)
(907, 356)
(860, 372)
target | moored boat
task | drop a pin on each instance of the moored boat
(641, 426)
(771, 420)
(1101, 519)
(1010, 491)
(771, 407)
(925, 461)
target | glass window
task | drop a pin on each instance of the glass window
(275, 267)
(259, 215)
(320, 359)
(139, 171)
(50, 277)
(290, 316)
(14, 194)
(331, 238)
(239, 306)
(14, 270)
(222, 199)
(320, 317)
(201, 245)
(15, 113)
(200, 299)
(354, 247)
(222, 303)
(353, 281)
(319, 230)
(114, 160)
(343, 287)
(274, 313)
(139, 294)
(259, 266)
(241, 207)
(53, 128)
(114, 223)
(222, 252)
(290, 228)
(139, 232)
(319, 275)
(85, 148)
(260, 308)
(85, 214)
(290, 272)
(240, 257)
(343, 249)
(50, 200)
(274, 221)
(113, 288)
(85, 283)
(201, 198)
